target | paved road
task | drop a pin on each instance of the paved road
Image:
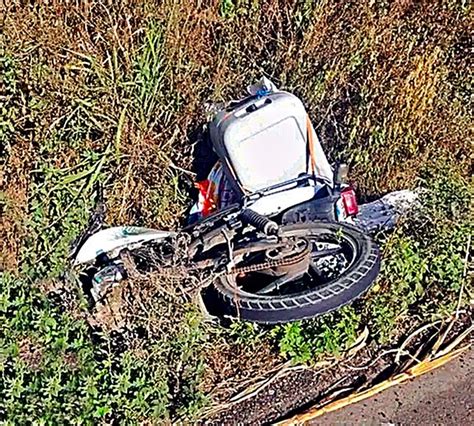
(443, 396)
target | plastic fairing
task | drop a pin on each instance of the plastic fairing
(111, 241)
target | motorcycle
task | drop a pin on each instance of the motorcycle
(284, 244)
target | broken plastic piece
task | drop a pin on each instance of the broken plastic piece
(106, 278)
(384, 213)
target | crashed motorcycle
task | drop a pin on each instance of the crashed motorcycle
(277, 234)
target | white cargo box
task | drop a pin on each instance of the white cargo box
(264, 142)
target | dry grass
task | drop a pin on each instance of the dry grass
(14, 177)
(377, 78)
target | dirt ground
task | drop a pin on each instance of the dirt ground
(443, 396)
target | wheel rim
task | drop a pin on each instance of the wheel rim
(331, 255)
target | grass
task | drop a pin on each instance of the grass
(106, 97)
(305, 342)
(55, 368)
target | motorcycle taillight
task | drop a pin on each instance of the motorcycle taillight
(350, 202)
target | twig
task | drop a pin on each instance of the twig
(329, 109)
(411, 336)
(281, 371)
(372, 363)
(180, 169)
(333, 386)
(333, 395)
(266, 383)
(455, 342)
(461, 290)
(358, 344)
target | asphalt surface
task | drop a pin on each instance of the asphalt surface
(443, 396)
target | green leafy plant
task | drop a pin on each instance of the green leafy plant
(227, 8)
(329, 335)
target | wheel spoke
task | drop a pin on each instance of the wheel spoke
(324, 253)
(279, 282)
(315, 269)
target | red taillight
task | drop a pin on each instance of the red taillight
(350, 202)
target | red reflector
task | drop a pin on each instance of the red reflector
(350, 202)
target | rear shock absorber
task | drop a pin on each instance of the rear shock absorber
(258, 221)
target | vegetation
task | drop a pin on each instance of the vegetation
(111, 94)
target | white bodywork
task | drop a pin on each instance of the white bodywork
(111, 241)
(266, 152)
(386, 211)
(272, 204)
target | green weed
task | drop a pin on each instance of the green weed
(227, 8)
(246, 333)
(10, 110)
(307, 341)
(55, 370)
(149, 79)
(424, 260)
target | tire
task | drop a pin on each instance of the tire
(355, 281)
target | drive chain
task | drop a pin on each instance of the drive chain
(291, 259)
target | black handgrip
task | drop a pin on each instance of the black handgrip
(259, 222)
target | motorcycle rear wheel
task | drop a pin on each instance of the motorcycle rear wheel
(362, 265)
